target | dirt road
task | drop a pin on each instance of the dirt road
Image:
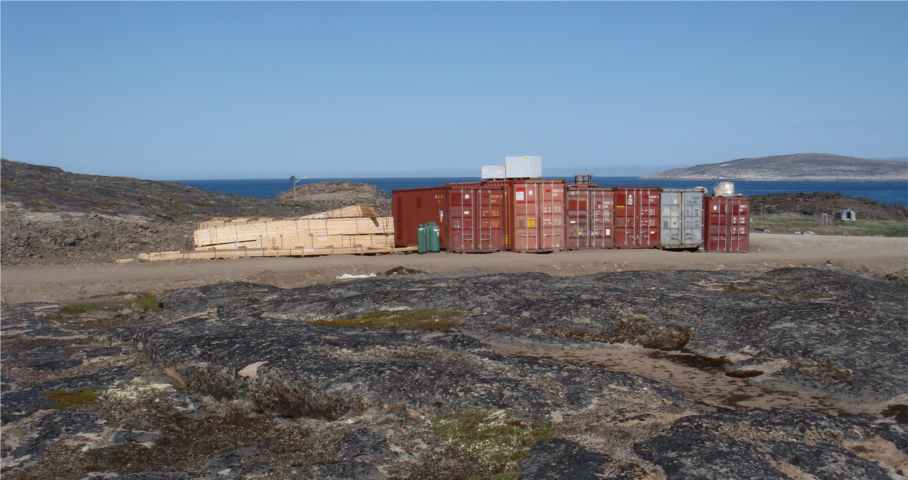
(75, 282)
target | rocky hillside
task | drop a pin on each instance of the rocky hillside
(816, 203)
(50, 216)
(804, 167)
(50, 189)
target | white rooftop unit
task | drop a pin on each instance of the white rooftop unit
(523, 167)
(494, 172)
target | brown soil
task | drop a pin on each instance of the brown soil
(877, 255)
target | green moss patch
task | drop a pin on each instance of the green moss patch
(149, 303)
(498, 439)
(65, 399)
(423, 319)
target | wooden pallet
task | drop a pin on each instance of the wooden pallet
(264, 252)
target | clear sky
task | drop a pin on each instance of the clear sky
(212, 90)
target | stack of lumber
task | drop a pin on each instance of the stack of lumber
(355, 226)
(350, 230)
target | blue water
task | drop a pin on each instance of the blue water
(886, 192)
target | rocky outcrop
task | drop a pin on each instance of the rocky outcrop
(325, 196)
(51, 217)
(800, 167)
(250, 381)
(813, 204)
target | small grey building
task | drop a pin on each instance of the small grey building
(845, 215)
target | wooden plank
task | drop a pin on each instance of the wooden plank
(266, 252)
(353, 211)
(328, 241)
(310, 241)
(296, 228)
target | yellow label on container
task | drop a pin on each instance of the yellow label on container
(531, 222)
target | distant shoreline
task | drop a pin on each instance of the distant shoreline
(775, 179)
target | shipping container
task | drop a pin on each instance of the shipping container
(477, 216)
(494, 172)
(726, 224)
(536, 216)
(589, 217)
(417, 206)
(682, 219)
(636, 217)
(523, 167)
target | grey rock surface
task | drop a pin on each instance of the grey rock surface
(249, 381)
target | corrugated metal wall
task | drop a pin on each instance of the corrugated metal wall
(536, 222)
(477, 216)
(589, 213)
(416, 206)
(682, 213)
(637, 217)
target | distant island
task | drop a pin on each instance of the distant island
(798, 167)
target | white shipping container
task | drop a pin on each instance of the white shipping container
(494, 172)
(523, 167)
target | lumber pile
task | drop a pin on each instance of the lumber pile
(352, 226)
(350, 230)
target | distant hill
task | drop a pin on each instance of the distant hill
(799, 167)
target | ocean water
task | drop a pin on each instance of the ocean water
(886, 192)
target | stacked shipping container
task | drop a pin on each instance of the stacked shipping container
(535, 215)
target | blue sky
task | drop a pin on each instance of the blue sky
(212, 90)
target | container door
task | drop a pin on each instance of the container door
(550, 208)
(601, 210)
(525, 238)
(460, 211)
(672, 223)
(578, 219)
(538, 216)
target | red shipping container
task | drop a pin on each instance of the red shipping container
(477, 216)
(637, 217)
(416, 206)
(590, 210)
(726, 224)
(536, 216)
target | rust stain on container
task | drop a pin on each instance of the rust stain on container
(536, 210)
(416, 206)
(726, 224)
(637, 217)
(589, 213)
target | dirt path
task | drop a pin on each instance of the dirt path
(73, 282)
